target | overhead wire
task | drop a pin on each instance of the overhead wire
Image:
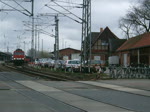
(68, 6)
(68, 11)
(21, 6)
(42, 7)
(68, 2)
(48, 21)
(5, 13)
(4, 10)
(63, 14)
(14, 8)
(41, 30)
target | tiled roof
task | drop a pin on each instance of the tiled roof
(114, 44)
(106, 34)
(136, 42)
(94, 36)
(68, 49)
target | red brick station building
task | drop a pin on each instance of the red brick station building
(105, 43)
(135, 50)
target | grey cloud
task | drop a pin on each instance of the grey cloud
(104, 13)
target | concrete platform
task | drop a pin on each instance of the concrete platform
(142, 84)
(71, 99)
(12, 101)
(119, 88)
(21, 93)
(106, 95)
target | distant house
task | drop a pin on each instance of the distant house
(69, 53)
(104, 44)
(135, 51)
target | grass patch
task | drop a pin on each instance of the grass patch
(75, 76)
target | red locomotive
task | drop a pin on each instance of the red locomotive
(18, 57)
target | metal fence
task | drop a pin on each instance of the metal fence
(129, 72)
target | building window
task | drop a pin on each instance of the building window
(104, 42)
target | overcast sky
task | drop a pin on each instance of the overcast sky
(12, 30)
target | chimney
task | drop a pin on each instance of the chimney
(101, 30)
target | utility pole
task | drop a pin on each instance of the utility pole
(24, 46)
(8, 47)
(86, 35)
(42, 47)
(38, 41)
(25, 12)
(56, 38)
(32, 39)
(35, 41)
(4, 42)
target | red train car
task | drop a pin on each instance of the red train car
(28, 59)
(18, 57)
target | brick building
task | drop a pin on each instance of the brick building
(68, 52)
(102, 44)
(135, 51)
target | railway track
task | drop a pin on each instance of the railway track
(32, 72)
(4, 69)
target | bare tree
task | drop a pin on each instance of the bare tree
(137, 20)
(126, 28)
(29, 52)
(43, 54)
(40, 54)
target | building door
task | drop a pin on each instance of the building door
(125, 60)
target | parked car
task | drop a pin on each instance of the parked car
(45, 62)
(57, 63)
(98, 65)
(61, 63)
(72, 65)
(37, 62)
(51, 64)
